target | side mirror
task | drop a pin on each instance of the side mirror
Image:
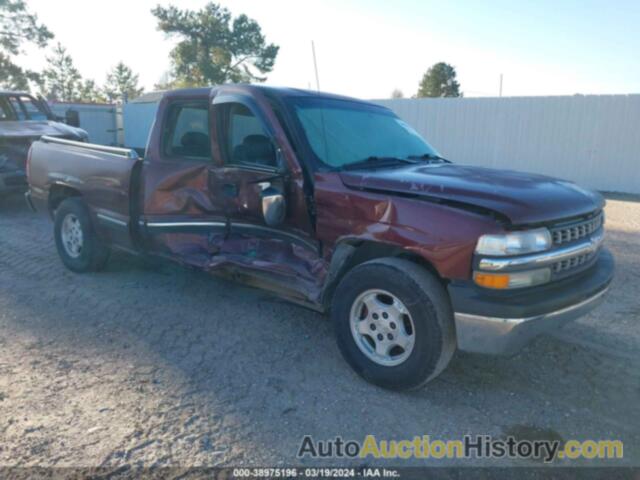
(274, 207)
(72, 118)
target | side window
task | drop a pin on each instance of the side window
(244, 138)
(20, 113)
(5, 109)
(187, 131)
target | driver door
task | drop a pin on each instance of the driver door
(281, 254)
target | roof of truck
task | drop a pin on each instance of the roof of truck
(246, 87)
(151, 97)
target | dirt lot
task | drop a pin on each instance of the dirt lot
(153, 365)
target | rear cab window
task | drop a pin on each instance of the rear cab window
(187, 131)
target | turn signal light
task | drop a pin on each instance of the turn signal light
(501, 281)
(492, 280)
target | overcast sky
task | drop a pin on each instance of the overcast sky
(366, 48)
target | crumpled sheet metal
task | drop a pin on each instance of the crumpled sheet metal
(304, 269)
(181, 192)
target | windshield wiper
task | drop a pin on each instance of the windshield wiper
(373, 162)
(430, 157)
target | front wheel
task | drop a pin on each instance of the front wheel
(76, 240)
(393, 323)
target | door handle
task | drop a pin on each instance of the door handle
(230, 190)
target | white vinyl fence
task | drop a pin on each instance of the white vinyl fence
(593, 140)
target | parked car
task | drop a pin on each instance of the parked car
(23, 119)
(338, 205)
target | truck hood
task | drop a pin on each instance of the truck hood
(38, 128)
(523, 198)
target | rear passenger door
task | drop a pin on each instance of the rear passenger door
(181, 217)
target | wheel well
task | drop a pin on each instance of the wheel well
(349, 255)
(58, 193)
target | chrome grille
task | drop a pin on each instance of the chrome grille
(576, 231)
(571, 263)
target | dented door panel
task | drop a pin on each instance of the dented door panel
(181, 217)
(287, 257)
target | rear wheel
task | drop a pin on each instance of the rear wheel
(76, 240)
(394, 323)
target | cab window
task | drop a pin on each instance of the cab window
(187, 131)
(17, 108)
(32, 109)
(244, 139)
(6, 113)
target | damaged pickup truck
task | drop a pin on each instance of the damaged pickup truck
(339, 205)
(24, 119)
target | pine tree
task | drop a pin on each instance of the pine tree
(122, 84)
(439, 81)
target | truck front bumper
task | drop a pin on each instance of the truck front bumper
(503, 322)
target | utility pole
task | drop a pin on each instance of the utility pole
(500, 85)
(315, 65)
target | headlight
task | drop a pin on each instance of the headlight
(514, 243)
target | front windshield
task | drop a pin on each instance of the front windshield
(341, 132)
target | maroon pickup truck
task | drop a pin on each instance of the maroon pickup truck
(338, 205)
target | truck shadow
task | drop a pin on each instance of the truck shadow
(13, 204)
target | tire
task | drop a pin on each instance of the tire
(77, 243)
(427, 329)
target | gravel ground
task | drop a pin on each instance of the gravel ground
(152, 365)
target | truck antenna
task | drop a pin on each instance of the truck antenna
(315, 65)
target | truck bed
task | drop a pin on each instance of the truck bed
(102, 175)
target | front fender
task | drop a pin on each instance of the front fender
(441, 234)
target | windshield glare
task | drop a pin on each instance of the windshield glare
(341, 132)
